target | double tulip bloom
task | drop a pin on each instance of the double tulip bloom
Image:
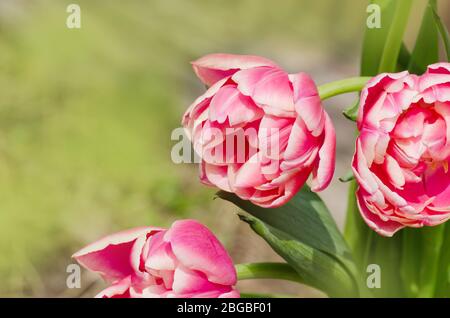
(285, 135)
(184, 261)
(403, 151)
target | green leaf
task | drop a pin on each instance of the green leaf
(432, 240)
(306, 236)
(375, 39)
(410, 267)
(351, 113)
(394, 39)
(403, 58)
(443, 32)
(356, 231)
(318, 269)
(426, 50)
(443, 283)
(423, 251)
(347, 177)
(386, 252)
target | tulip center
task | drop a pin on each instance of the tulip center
(419, 140)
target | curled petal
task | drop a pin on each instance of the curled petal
(187, 282)
(196, 248)
(383, 227)
(159, 255)
(214, 67)
(111, 256)
(439, 68)
(324, 170)
(120, 289)
(270, 88)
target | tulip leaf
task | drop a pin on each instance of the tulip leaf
(318, 269)
(403, 58)
(443, 283)
(304, 233)
(443, 31)
(394, 39)
(382, 46)
(347, 177)
(426, 50)
(351, 112)
(375, 38)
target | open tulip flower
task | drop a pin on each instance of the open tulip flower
(184, 261)
(284, 132)
(403, 151)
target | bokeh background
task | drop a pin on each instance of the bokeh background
(86, 116)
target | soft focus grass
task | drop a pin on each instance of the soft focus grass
(86, 115)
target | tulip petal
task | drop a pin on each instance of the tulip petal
(110, 256)
(197, 248)
(121, 289)
(229, 104)
(160, 255)
(187, 281)
(217, 175)
(214, 67)
(324, 171)
(270, 88)
(384, 228)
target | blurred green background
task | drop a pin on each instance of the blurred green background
(86, 116)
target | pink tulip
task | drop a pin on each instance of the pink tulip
(185, 261)
(259, 131)
(403, 151)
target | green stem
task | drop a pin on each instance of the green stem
(354, 84)
(267, 271)
(356, 231)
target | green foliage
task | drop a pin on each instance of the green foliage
(304, 233)
(443, 31)
(426, 50)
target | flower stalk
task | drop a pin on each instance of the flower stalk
(267, 271)
(349, 85)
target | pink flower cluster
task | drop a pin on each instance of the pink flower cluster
(401, 164)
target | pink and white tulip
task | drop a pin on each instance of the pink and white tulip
(285, 134)
(185, 261)
(403, 151)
